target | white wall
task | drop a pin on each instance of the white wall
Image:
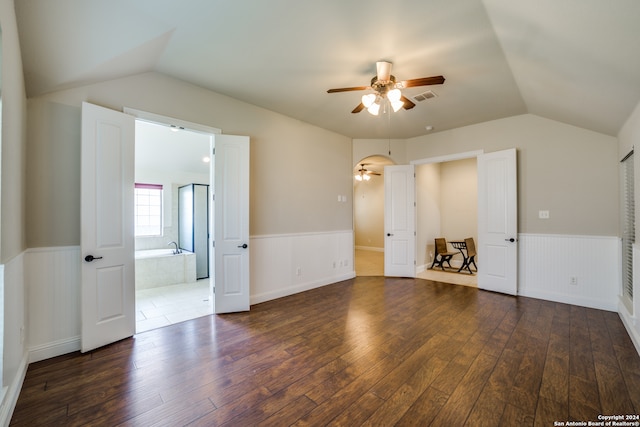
(459, 199)
(571, 172)
(284, 196)
(368, 213)
(12, 223)
(429, 207)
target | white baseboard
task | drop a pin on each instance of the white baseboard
(369, 248)
(268, 296)
(53, 349)
(8, 403)
(568, 299)
(631, 324)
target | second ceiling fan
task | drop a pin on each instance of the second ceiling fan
(386, 88)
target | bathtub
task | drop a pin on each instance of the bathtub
(160, 267)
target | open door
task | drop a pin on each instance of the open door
(399, 221)
(498, 222)
(107, 228)
(231, 223)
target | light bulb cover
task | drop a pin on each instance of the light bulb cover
(396, 105)
(374, 109)
(368, 99)
(394, 95)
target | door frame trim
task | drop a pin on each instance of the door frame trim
(157, 118)
(447, 158)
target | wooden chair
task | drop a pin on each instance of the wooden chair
(442, 254)
(471, 255)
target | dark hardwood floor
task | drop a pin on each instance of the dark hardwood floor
(367, 351)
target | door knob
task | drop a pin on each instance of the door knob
(90, 258)
(510, 240)
(243, 246)
(389, 234)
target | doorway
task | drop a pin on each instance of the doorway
(107, 221)
(368, 215)
(169, 288)
(447, 205)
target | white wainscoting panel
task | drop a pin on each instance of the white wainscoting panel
(14, 352)
(630, 311)
(283, 265)
(53, 278)
(548, 262)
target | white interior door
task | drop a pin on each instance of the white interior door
(107, 240)
(231, 223)
(399, 221)
(498, 222)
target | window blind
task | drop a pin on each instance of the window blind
(629, 226)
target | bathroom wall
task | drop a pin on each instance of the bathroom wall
(170, 186)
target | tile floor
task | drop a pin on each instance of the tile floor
(371, 263)
(166, 305)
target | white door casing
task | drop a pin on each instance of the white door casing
(399, 221)
(107, 229)
(498, 222)
(231, 223)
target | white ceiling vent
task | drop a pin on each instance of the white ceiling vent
(424, 96)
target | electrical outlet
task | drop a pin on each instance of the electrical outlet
(298, 271)
(573, 280)
(543, 214)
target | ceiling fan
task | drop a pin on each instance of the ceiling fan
(387, 90)
(364, 174)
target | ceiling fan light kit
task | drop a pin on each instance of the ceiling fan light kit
(387, 91)
(364, 174)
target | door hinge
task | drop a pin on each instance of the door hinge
(213, 151)
(213, 243)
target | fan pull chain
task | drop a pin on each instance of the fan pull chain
(389, 132)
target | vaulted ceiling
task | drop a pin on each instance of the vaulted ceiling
(574, 61)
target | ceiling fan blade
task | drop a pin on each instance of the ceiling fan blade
(348, 89)
(359, 108)
(408, 104)
(424, 81)
(383, 71)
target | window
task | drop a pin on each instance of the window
(628, 223)
(148, 209)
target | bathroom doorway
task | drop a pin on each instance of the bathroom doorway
(170, 285)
